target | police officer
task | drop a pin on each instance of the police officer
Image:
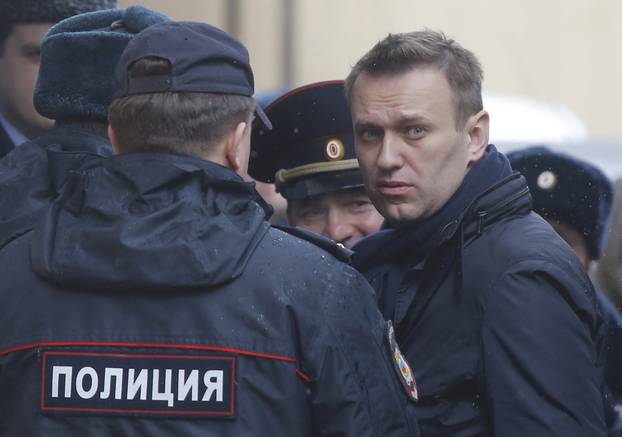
(575, 197)
(23, 24)
(155, 299)
(310, 156)
(75, 95)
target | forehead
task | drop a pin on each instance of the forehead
(29, 33)
(332, 198)
(418, 92)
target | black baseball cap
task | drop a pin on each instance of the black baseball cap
(204, 59)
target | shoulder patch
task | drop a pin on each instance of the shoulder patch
(404, 372)
(337, 250)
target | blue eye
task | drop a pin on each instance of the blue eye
(416, 131)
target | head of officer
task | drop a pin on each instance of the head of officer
(419, 122)
(572, 195)
(310, 157)
(185, 88)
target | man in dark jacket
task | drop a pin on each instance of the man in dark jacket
(23, 24)
(490, 306)
(576, 197)
(310, 156)
(155, 299)
(74, 88)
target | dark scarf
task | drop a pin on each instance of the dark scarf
(419, 238)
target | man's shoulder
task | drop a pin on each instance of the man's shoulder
(333, 248)
(530, 247)
(22, 157)
(520, 238)
(305, 258)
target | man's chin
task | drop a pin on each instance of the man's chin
(399, 216)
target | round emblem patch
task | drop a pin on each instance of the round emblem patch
(402, 367)
(334, 150)
(547, 180)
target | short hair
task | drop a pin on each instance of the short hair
(400, 52)
(185, 123)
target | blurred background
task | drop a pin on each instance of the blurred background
(552, 68)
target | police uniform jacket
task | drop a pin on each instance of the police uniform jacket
(154, 299)
(32, 174)
(497, 318)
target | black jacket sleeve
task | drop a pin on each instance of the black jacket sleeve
(355, 389)
(541, 335)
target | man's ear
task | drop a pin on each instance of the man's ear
(233, 147)
(477, 129)
(113, 140)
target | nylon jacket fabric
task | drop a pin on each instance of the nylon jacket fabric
(150, 257)
(499, 322)
(31, 175)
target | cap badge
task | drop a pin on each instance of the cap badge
(406, 376)
(335, 150)
(547, 180)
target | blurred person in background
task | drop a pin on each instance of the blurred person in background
(575, 198)
(608, 274)
(490, 306)
(310, 156)
(23, 24)
(74, 89)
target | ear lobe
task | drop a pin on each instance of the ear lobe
(478, 136)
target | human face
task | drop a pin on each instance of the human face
(19, 67)
(412, 156)
(344, 216)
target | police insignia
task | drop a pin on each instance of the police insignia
(547, 180)
(335, 150)
(401, 365)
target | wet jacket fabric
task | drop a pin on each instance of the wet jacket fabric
(497, 317)
(153, 298)
(31, 175)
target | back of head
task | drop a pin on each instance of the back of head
(78, 58)
(181, 87)
(398, 53)
(568, 190)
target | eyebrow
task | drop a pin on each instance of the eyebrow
(404, 120)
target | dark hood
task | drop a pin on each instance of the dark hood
(149, 220)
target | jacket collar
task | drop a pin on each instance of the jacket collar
(508, 197)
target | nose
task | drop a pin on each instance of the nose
(389, 157)
(340, 229)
